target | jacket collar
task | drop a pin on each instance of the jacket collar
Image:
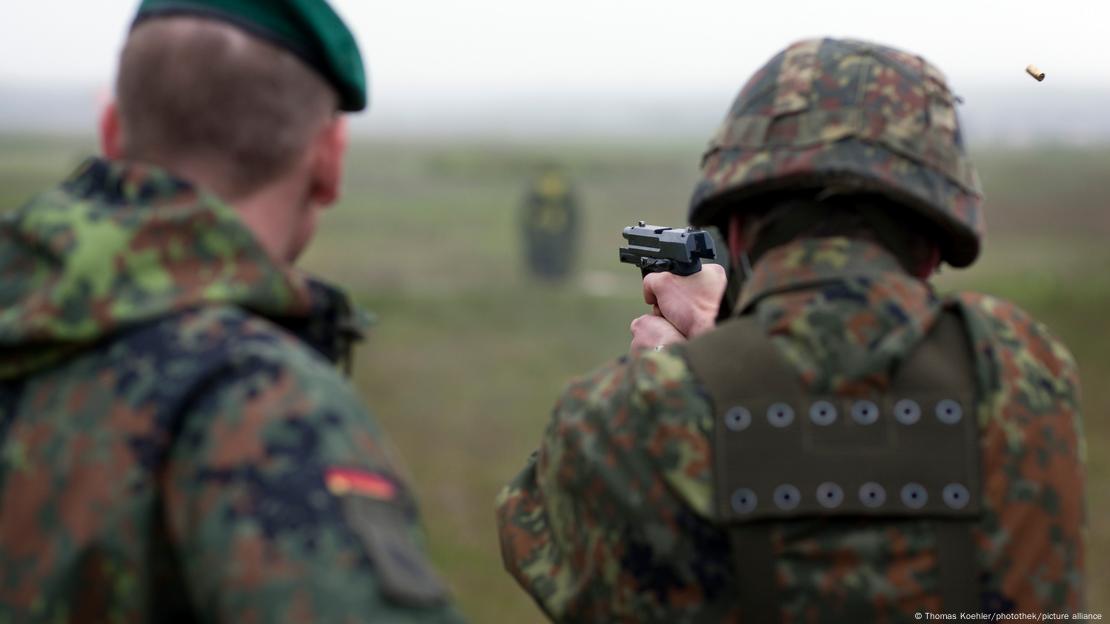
(119, 244)
(813, 262)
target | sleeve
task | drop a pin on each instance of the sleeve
(608, 521)
(1033, 462)
(282, 506)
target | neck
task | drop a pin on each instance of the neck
(810, 261)
(275, 215)
(271, 212)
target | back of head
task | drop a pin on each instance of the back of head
(200, 93)
(828, 118)
(784, 217)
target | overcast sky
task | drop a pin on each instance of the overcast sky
(430, 59)
(492, 46)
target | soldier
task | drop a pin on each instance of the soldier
(848, 446)
(177, 444)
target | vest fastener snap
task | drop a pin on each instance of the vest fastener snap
(822, 413)
(787, 497)
(949, 412)
(830, 495)
(907, 411)
(780, 415)
(738, 418)
(865, 412)
(872, 495)
(956, 496)
(914, 495)
(743, 501)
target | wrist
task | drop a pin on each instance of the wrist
(702, 324)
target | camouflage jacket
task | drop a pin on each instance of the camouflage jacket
(176, 442)
(613, 519)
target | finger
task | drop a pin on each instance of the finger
(714, 269)
(641, 324)
(651, 331)
(653, 281)
(716, 273)
(649, 324)
(640, 337)
(655, 311)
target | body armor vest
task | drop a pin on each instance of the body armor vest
(782, 453)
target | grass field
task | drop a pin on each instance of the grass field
(470, 354)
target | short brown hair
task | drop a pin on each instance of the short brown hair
(201, 91)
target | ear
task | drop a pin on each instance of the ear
(929, 264)
(111, 143)
(735, 238)
(327, 166)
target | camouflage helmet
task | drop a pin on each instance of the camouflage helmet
(847, 114)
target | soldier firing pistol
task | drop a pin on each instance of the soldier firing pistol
(656, 249)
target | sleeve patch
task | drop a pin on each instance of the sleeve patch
(404, 574)
(343, 481)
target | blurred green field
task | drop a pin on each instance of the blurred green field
(470, 354)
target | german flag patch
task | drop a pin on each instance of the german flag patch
(344, 481)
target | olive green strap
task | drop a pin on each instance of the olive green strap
(958, 569)
(755, 566)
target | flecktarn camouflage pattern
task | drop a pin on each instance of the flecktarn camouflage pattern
(613, 520)
(177, 444)
(851, 116)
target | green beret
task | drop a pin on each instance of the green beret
(309, 29)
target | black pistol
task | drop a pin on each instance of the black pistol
(655, 249)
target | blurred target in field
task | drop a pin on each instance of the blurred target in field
(549, 218)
